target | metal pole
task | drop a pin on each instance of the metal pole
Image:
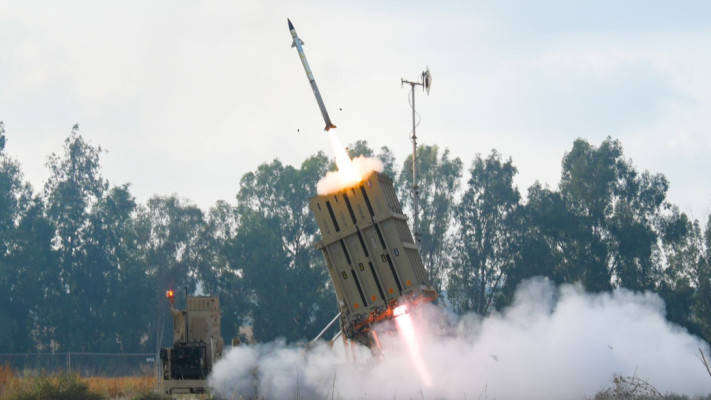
(187, 317)
(326, 328)
(425, 83)
(414, 170)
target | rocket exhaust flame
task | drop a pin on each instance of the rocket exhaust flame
(399, 310)
(407, 331)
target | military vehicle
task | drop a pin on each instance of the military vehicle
(197, 346)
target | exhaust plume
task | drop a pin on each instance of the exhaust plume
(349, 173)
(551, 343)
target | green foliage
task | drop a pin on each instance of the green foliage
(539, 233)
(13, 198)
(284, 278)
(587, 182)
(222, 277)
(702, 298)
(2, 137)
(84, 267)
(438, 183)
(617, 216)
(175, 250)
(486, 217)
(75, 186)
(269, 283)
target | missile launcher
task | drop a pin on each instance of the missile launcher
(197, 346)
(372, 259)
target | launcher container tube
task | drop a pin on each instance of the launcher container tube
(370, 254)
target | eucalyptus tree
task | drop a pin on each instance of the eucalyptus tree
(173, 246)
(702, 301)
(682, 241)
(686, 283)
(8, 209)
(36, 291)
(11, 195)
(120, 290)
(222, 278)
(485, 235)
(586, 185)
(438, 183)
(276, 225)
(20, 300)
(639, 211)
(268, 289)
(542, 226)
(618, 213)
(73, 189)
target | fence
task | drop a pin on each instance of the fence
(87, 364)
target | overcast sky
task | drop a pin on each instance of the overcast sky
(187, 96)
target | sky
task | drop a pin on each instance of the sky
(188, 96)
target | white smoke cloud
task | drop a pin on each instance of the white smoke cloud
(550, 344)
(337, 180)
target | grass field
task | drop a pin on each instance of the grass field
(29, 385)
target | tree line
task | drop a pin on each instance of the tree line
(84, 267)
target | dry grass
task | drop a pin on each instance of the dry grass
(29, 385)
(7, 380)
(122, 387)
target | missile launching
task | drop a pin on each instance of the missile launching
(297, 43)
(373, 261)
(371, 256)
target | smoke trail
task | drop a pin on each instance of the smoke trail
(552, 343)
(343, 161)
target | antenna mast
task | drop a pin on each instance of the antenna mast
(425, 82)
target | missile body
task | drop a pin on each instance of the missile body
(297, 43)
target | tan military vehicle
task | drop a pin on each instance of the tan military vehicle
(197, 346)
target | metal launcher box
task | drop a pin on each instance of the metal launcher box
(370, 253)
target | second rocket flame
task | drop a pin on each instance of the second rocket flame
(297, 43)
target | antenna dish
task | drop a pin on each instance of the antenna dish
(427, 80)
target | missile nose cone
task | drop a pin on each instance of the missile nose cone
(291, 26)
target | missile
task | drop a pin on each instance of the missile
(297, 43)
